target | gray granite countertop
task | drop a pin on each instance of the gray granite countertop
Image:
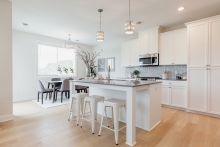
(118, 82)
(173, 79)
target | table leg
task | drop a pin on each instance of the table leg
(53, 93)
(131, 116)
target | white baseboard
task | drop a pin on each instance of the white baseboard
(20, 99)
(6, 117)
(202, 113)
(173, 107)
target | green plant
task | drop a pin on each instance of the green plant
(65, 70)
(136, 72)
(72, 70)
(59, 69)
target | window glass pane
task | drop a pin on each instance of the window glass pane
(47, 60)
(65, 59)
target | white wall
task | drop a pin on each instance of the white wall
(25, 64)
(6, 109)
(112, 49)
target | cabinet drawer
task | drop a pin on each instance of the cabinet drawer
(173, 83)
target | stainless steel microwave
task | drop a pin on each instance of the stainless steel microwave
(149, 60)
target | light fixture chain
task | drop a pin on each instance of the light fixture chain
(129, 10)
(100, 22)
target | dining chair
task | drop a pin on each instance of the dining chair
(42, 90)
(65, 87)
(79, 88)
(56, 85)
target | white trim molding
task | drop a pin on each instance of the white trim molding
(6, 117)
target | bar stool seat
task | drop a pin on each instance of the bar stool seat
(115, 104)
(93, 102)
(77, 100)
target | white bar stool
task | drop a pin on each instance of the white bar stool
(115, 104)
(93, 101)
(77, 100)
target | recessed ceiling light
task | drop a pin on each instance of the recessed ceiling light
(137, 23)
(77, 40)
(25, 24)
(180, 8)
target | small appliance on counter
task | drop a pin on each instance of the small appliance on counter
(165, 75)
(178, 76)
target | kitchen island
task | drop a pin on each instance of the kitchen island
(143, 102)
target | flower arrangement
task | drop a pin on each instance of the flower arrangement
(72, 70)
(65, 70)
(59, 69)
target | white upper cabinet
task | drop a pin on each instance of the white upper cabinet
(165, 49)
(148, 41)
(130, 53)
(125, 54)
(180, 47)
(173, 47)
(214, 42)
(134, 53)
(198, 44)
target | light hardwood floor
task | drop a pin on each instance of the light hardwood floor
(35, 126)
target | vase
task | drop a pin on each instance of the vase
(88, 71)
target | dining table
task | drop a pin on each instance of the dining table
(53, 83)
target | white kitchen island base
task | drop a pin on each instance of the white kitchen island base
(143, 103)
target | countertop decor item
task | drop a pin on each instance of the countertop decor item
(88, 59)
(136, 73)
(165, 75)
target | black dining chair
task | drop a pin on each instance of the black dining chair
(56, 85)
(79, 88)
(42, 90)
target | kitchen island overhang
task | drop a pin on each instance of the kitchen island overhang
(143, 101)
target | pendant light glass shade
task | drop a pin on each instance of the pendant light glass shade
(69, 44)
(129, 27)
(100, 34)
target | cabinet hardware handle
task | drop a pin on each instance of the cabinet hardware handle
(169, 83)
(206, 68)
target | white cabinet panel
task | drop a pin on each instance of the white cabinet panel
(180, 47)
(153, 44)
(144, 40)
(197, 95)
(166, 53)
(165, 96)
(134, 53)
(125, 54)
(178, 96)
(214, 42)
(214, 90)
(197, 44)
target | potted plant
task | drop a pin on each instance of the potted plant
(72, 71)
(59, 70)
(65, 70)
(136, 73)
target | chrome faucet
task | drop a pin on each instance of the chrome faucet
(108, 73)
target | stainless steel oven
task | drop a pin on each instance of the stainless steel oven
(149, 60)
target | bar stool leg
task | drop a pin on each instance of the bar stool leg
(93, 107)
(106, 118)
(116, 110)
(104, 110)
(78, 110)
(112, 117)
(83, 113)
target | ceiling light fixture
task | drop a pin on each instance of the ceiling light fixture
(100, 34)
(180, 8)
(69, 44)
(129, 25)
(25, 24)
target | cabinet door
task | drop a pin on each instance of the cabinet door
(180, 47)
(125, 54)
(214, 42)
(165, 97)
(153, 42)
(214, 90)
(197, 44)
(144, 40)
(166, 54)
(197, 89)
(134, 53)
(178, 96)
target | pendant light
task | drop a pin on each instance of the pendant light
(69, 44)
(100, 34)
(129, 25)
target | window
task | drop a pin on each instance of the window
(50, 57)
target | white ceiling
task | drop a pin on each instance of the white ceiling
(57, 18)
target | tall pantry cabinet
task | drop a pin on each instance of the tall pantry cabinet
(204, 65)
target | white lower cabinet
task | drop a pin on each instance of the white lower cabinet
(174, 93)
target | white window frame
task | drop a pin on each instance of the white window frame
(57, 46)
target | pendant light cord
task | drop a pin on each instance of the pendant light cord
(100, 21)
(129, 9)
